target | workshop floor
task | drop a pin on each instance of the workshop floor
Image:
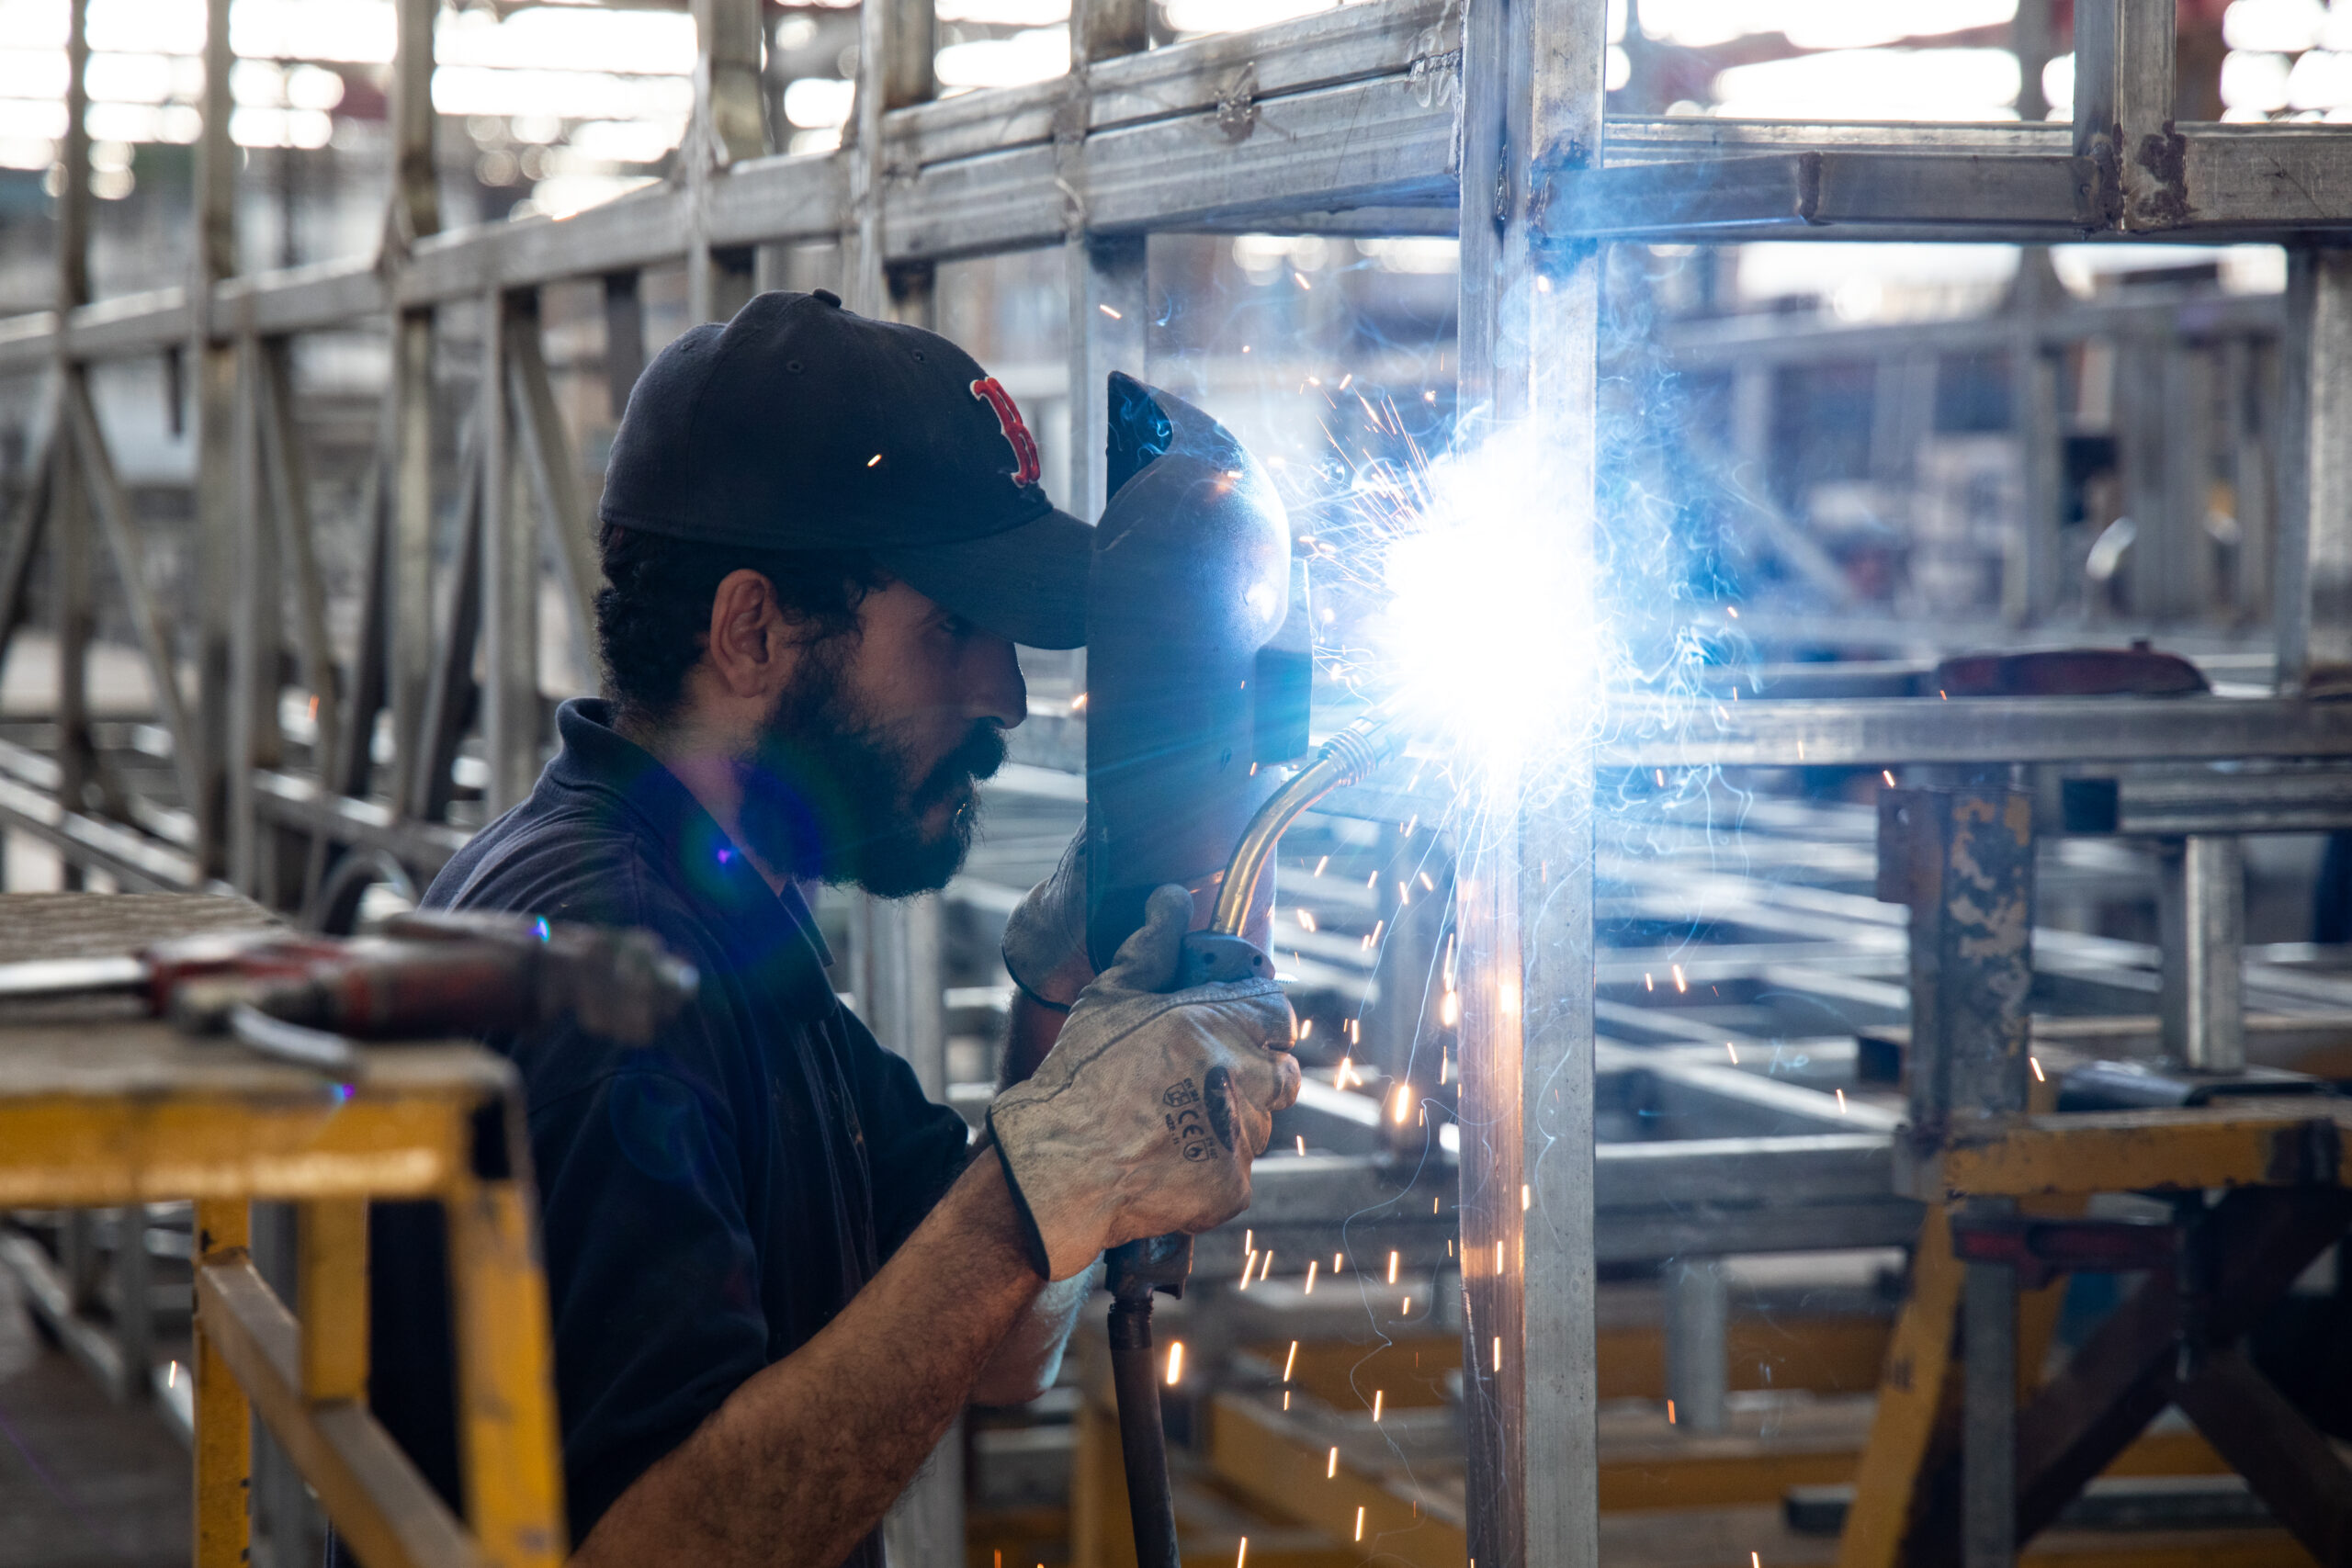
(82, 1484)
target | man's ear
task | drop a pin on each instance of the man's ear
(749, 649)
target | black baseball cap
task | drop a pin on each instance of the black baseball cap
(803, 426)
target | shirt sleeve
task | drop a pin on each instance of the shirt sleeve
(652, 1277)
(916, 1148)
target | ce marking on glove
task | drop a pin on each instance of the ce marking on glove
(1195, 1121)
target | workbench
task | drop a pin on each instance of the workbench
(102, 1109)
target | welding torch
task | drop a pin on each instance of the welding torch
(1138, 1269)
(306, 998)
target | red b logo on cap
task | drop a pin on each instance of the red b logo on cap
(1026, 468)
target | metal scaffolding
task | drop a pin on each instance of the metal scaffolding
(1391, 117)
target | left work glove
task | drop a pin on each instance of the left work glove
(1045, 942)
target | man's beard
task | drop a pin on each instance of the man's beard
(831, 795)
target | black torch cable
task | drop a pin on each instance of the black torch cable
(1143, 1445)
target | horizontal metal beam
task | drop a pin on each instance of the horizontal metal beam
(295, 802)
(1746, 180)
(1722, 343)
(1699, 1196)
(1840, 194)
(1298, 124)
(2178, 805)
(1991, 729)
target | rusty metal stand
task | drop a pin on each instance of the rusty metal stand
(1956, 1472)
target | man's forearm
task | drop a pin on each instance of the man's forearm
(1026, 1363)
(806, 1457)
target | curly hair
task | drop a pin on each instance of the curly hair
(653, 613)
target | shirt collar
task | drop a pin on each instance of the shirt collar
(710, 867)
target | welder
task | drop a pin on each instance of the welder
(776, 1272)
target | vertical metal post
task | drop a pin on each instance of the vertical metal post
(223, 510)
(408, 557)
(624, 339)
(2123, 109)
(254, 739)
(1963, 860)
(1698, 1331)
(1989, 1404)
(1532, 86)
(2200, 909)
(897, 43)
(134, 1305)
(1109, 298)
(223, 1436)
(729, 126)
(2311, 602)
(510, 567)
(69, 529)
(2029, 578)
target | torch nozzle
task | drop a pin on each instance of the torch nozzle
(1350, 757)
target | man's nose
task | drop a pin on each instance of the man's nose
(995, 688)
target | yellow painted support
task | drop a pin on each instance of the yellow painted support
(1910, 1399)
(505, 1377)
(223, 1436)
(2240, 1143)
(65, 1150)
(333, 1294)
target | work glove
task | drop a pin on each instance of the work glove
(1045, 941)
(1145, 1116)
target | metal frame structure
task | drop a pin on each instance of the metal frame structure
(1384, 117)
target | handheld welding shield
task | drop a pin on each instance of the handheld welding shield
(1192, 579)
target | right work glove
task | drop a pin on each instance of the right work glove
(1144, 1118)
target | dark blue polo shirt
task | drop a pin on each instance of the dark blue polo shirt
(707, 1203)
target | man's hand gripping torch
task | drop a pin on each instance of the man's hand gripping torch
(1161, 1263)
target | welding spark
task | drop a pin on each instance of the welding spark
(870, 462)
(1392, 1267)
(1302, 1149)
(1378, 1396)
(1175, 1362)
(1734, 1052)
(1403, 1102)
(1331, 1465)
(1888, 774)
(1841, 1102)
(1306, 917)
(2035, 1063)
(1312, 1264)
(1321, 864)
(1241, 1558)
(1679, 983)
(1109, 313)
(1358, 1521)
